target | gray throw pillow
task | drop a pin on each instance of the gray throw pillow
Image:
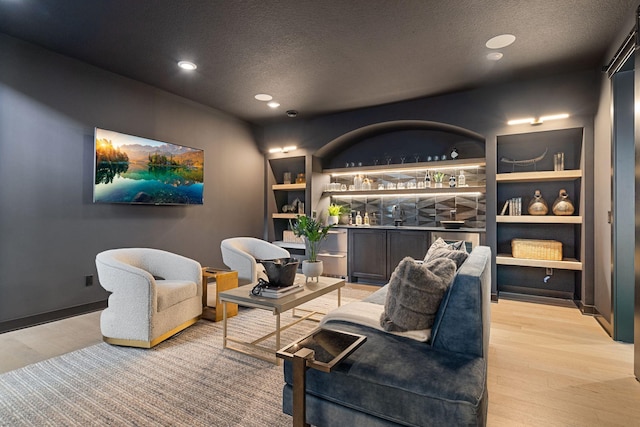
(415, 292)
(459, 257)
(441, 244)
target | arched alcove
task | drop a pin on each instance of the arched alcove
(351, 139)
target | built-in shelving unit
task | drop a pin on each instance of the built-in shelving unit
(541, 176)
(289, 187)
(280, 194)
(403, 187)
(536, 277)
(289, 245)
(534, 219)
(285, 215)
(442, 165)
(410, 191)
(565, 263)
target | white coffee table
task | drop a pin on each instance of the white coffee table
(242, 296)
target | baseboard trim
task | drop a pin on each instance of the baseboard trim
(51, 316)
(537, 299)
(589, 310)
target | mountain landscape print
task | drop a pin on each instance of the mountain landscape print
(131, 169)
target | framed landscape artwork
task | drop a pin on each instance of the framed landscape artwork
(134, 170)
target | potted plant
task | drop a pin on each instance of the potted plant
(313, 233)
(437, 178)
(334, 213)
(345, 213)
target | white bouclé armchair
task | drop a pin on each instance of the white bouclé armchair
(240, 254)
(154, 295)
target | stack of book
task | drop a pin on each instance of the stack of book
(275, 292)
(512, 207)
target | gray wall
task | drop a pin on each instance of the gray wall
(50, 231)
(485, 111)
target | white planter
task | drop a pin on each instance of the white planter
(333, 219)
(312, 269)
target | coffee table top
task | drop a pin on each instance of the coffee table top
(242, 295)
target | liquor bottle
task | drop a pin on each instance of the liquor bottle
(427, 180)
(366, 219)
(358, 219)
(462, 180)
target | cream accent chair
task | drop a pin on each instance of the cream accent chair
(240, 254)
(154, 295)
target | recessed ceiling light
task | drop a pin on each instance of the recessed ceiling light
(273, 104)
(186, 65)
(263, 97)
(498, 42)
(494, 56)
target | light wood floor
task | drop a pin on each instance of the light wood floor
(548, 366)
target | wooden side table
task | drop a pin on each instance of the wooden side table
(225, 280)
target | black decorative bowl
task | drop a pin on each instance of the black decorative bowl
(452, 224)
(280, 271)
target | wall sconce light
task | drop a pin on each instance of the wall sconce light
(539, 120)
(282, 149)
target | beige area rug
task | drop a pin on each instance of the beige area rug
(188, 380)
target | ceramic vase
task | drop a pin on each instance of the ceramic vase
(311, 269)
(333, 219)
(537, 205)
(563, 205)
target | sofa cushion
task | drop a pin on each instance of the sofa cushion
(415, 292)
(172, 292)
(401, 380)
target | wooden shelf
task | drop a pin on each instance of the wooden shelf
(430, 190)
(286, 215)
(565, 264)
(542, 219)
(395, 168)
(566, 175)
(288, 245)
(289, 187)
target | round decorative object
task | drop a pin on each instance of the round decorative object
(537, 205)
(312, 269)
(563, 205)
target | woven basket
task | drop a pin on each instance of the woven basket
(289, 237)
(537, 249)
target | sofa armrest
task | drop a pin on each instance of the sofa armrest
(462, 321)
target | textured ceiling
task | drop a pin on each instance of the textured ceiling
(319, 56)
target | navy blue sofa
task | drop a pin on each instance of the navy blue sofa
(396, 381)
